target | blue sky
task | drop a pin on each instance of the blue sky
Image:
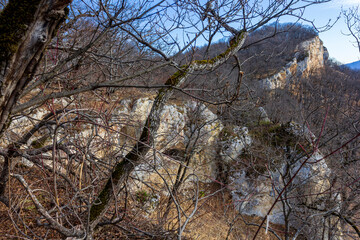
(339, 46)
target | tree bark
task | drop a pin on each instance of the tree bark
(125, 166)
(26, 28)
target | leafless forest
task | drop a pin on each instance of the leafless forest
(151, 120)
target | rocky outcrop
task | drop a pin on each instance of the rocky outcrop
(310, 56)
(232, 142)
(185, 127)
(255, 194)
(196, 125)
(190, 129)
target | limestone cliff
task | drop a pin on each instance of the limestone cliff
(254, 190)
(309, 57)
(190, 129)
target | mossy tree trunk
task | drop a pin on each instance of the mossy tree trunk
(126, 165)
(26, 28)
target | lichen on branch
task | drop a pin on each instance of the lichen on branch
(125, 166)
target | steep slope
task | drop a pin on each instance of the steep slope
(309, 57)
(199, 154)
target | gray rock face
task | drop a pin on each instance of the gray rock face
(193, 124)
(263, 116)
(309, 57)
(232, 145)
(255, 195)
(189, 128)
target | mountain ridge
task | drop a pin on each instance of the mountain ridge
(354, 65)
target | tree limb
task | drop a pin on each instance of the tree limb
(125, 166)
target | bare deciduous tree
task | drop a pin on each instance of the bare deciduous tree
(56, 69)
(352, 18)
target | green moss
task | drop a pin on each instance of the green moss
(209, 61)
(104, 197)
(100, 203)
(264, 123)
(271, 144)
(40, 142)
(277, 135)
(29, 205)
(202, 61)
(174, 79)
(233, 43)
(141, 196)
(280, 136)
(274, 134)
(14, 21)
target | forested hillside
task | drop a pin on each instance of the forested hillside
(132, 120)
